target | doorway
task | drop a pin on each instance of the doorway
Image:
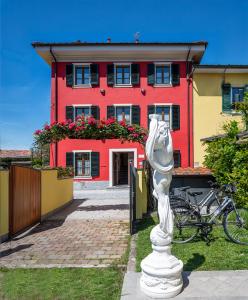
(121, 172)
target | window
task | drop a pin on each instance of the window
(162, 74)
(163, 112)
(177, 158)
(237, 94)
(170, 113)
(122, 74)
(82, 111)
(82, 164)
(123, 113)
(82, 74)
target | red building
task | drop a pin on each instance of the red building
(124, 80)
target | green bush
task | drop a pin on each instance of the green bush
(64, 172)
(229, 161)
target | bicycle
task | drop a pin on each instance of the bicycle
(188, 221)
(210, 201)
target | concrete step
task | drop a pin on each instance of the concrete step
(204, 285)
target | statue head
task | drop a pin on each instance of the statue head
(159, 140)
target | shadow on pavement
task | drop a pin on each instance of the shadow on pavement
(55, 220)
(103, 207)
(13, 250)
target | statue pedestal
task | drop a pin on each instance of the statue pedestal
(161, 272)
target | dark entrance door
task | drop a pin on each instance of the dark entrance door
(121, 167)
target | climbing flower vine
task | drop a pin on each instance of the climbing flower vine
(90, 128)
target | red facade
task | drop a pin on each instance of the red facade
(142, 95)
(123, 80)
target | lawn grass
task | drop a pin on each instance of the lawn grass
(221, 254)
(67, 283)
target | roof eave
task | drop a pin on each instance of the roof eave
(78, 52)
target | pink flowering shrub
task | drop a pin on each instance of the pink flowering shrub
(89, 128)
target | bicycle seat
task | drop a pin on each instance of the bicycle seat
(195, 193)
(183, 188)
(213, 184)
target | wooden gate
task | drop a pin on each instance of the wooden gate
(25, 198)
(133, 173)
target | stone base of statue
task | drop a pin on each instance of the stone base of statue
(161, 272)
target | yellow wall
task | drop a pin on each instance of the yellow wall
(4, 202)
(141, 194)
(54, 192)
(207, 107)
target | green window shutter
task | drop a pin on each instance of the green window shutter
(136, 114)
(135, 69)
(150, 111)
(246, 88)
(175, 117)
(177, 158)
(95, 112)
(69, 159)
(69, 75)
(175, 74)
(95, 164)
(150, 74)
(69, 113)
(226, 98)
(110, 111)
(94, 74)
(110, 75)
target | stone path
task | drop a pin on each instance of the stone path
(205, 285)
(108, 204)
(92, 232)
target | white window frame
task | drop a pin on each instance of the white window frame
(130, 79)
(235, 87)
(234, 111)
(158, 64)
(111, 152)
(74, 165)
(170, 113)
(130, 106)
(74, 75)
(78, 106)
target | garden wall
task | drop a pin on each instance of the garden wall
(55, 192)
(4, 204)
(141, 194)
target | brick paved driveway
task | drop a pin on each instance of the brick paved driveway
(70, 239)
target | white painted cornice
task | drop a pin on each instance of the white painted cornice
(122, 53)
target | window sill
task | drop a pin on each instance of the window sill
(231, 113)
(162, 85)
(82, 86)
(82, 177)
(123, 85)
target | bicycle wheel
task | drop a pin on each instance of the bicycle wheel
(177, 201)
(236, 225)
(184, 224)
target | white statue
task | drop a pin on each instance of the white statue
(161, 272)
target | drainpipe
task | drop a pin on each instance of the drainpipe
(188, 102)
(56, 104)
(192, 123)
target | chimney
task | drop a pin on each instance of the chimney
(109, 40)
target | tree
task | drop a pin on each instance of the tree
(242, 107)
(228, 161)
(40, 155)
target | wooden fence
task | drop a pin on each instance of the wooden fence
(25, 198)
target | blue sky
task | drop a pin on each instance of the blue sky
(25, 77)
